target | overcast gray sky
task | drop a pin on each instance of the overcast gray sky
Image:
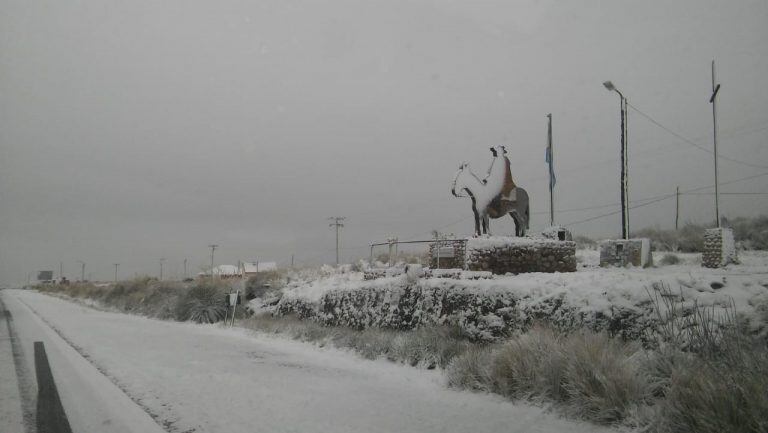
(135, 130)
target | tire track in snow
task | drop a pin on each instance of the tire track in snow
(164, 421)
(23, 378)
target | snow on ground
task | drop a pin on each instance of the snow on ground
(205, 378)
(597, 289)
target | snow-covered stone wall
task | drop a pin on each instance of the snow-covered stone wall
(502, 255)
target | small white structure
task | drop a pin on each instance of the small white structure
(249, 269)
(623, 252)
(557, 233)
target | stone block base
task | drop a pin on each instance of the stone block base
(624, 252)
(501, 255)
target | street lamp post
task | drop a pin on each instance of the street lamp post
(624, 161)
(213, 248)
(82, 270)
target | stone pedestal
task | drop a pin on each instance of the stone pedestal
(501, 255)
(719, 248)
(624, 252)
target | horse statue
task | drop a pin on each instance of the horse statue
(494, 196)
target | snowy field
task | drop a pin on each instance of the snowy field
(205, 378)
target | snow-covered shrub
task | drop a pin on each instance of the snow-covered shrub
(484, 309)
(203, 303)
(751, 233)
(688, 239)
(727, 393)
(473, 369)
(669, 259)
(428, 346)
(603, 380)
(531, 365)
(589, 375)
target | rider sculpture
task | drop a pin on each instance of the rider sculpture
(494, 196)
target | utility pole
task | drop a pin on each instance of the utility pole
(338, 223)
(185, 269)
(61, 271)
(117, 265)
(712, 100)
(677, 207)
(161, 268)
(392, 243)
(550, 158)
(213, 248)
(82, 270)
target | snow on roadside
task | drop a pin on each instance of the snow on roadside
(205, 378)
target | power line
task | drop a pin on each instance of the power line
(664, 197)
(597, 207)
(727, 193)
(618, 211)
(691, 142)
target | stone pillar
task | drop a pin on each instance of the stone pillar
(719, 248)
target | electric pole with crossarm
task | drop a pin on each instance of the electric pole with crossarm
(338, 223)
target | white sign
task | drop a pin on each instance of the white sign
(233, 299)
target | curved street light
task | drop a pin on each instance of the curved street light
(624, 161)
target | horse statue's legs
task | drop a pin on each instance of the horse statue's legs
(518, 223)
(477, 221)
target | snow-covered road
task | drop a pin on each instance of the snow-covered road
(115, 370)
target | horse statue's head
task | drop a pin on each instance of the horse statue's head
(497, 151)
(464, 167)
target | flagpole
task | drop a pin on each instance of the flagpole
(551, 161)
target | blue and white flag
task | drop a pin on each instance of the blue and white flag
(548, 157)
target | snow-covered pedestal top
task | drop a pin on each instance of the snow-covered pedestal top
(491, 242)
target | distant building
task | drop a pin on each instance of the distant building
(222, 271)
(250, 269)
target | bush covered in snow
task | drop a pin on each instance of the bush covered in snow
(749, 233)
(202, 301)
